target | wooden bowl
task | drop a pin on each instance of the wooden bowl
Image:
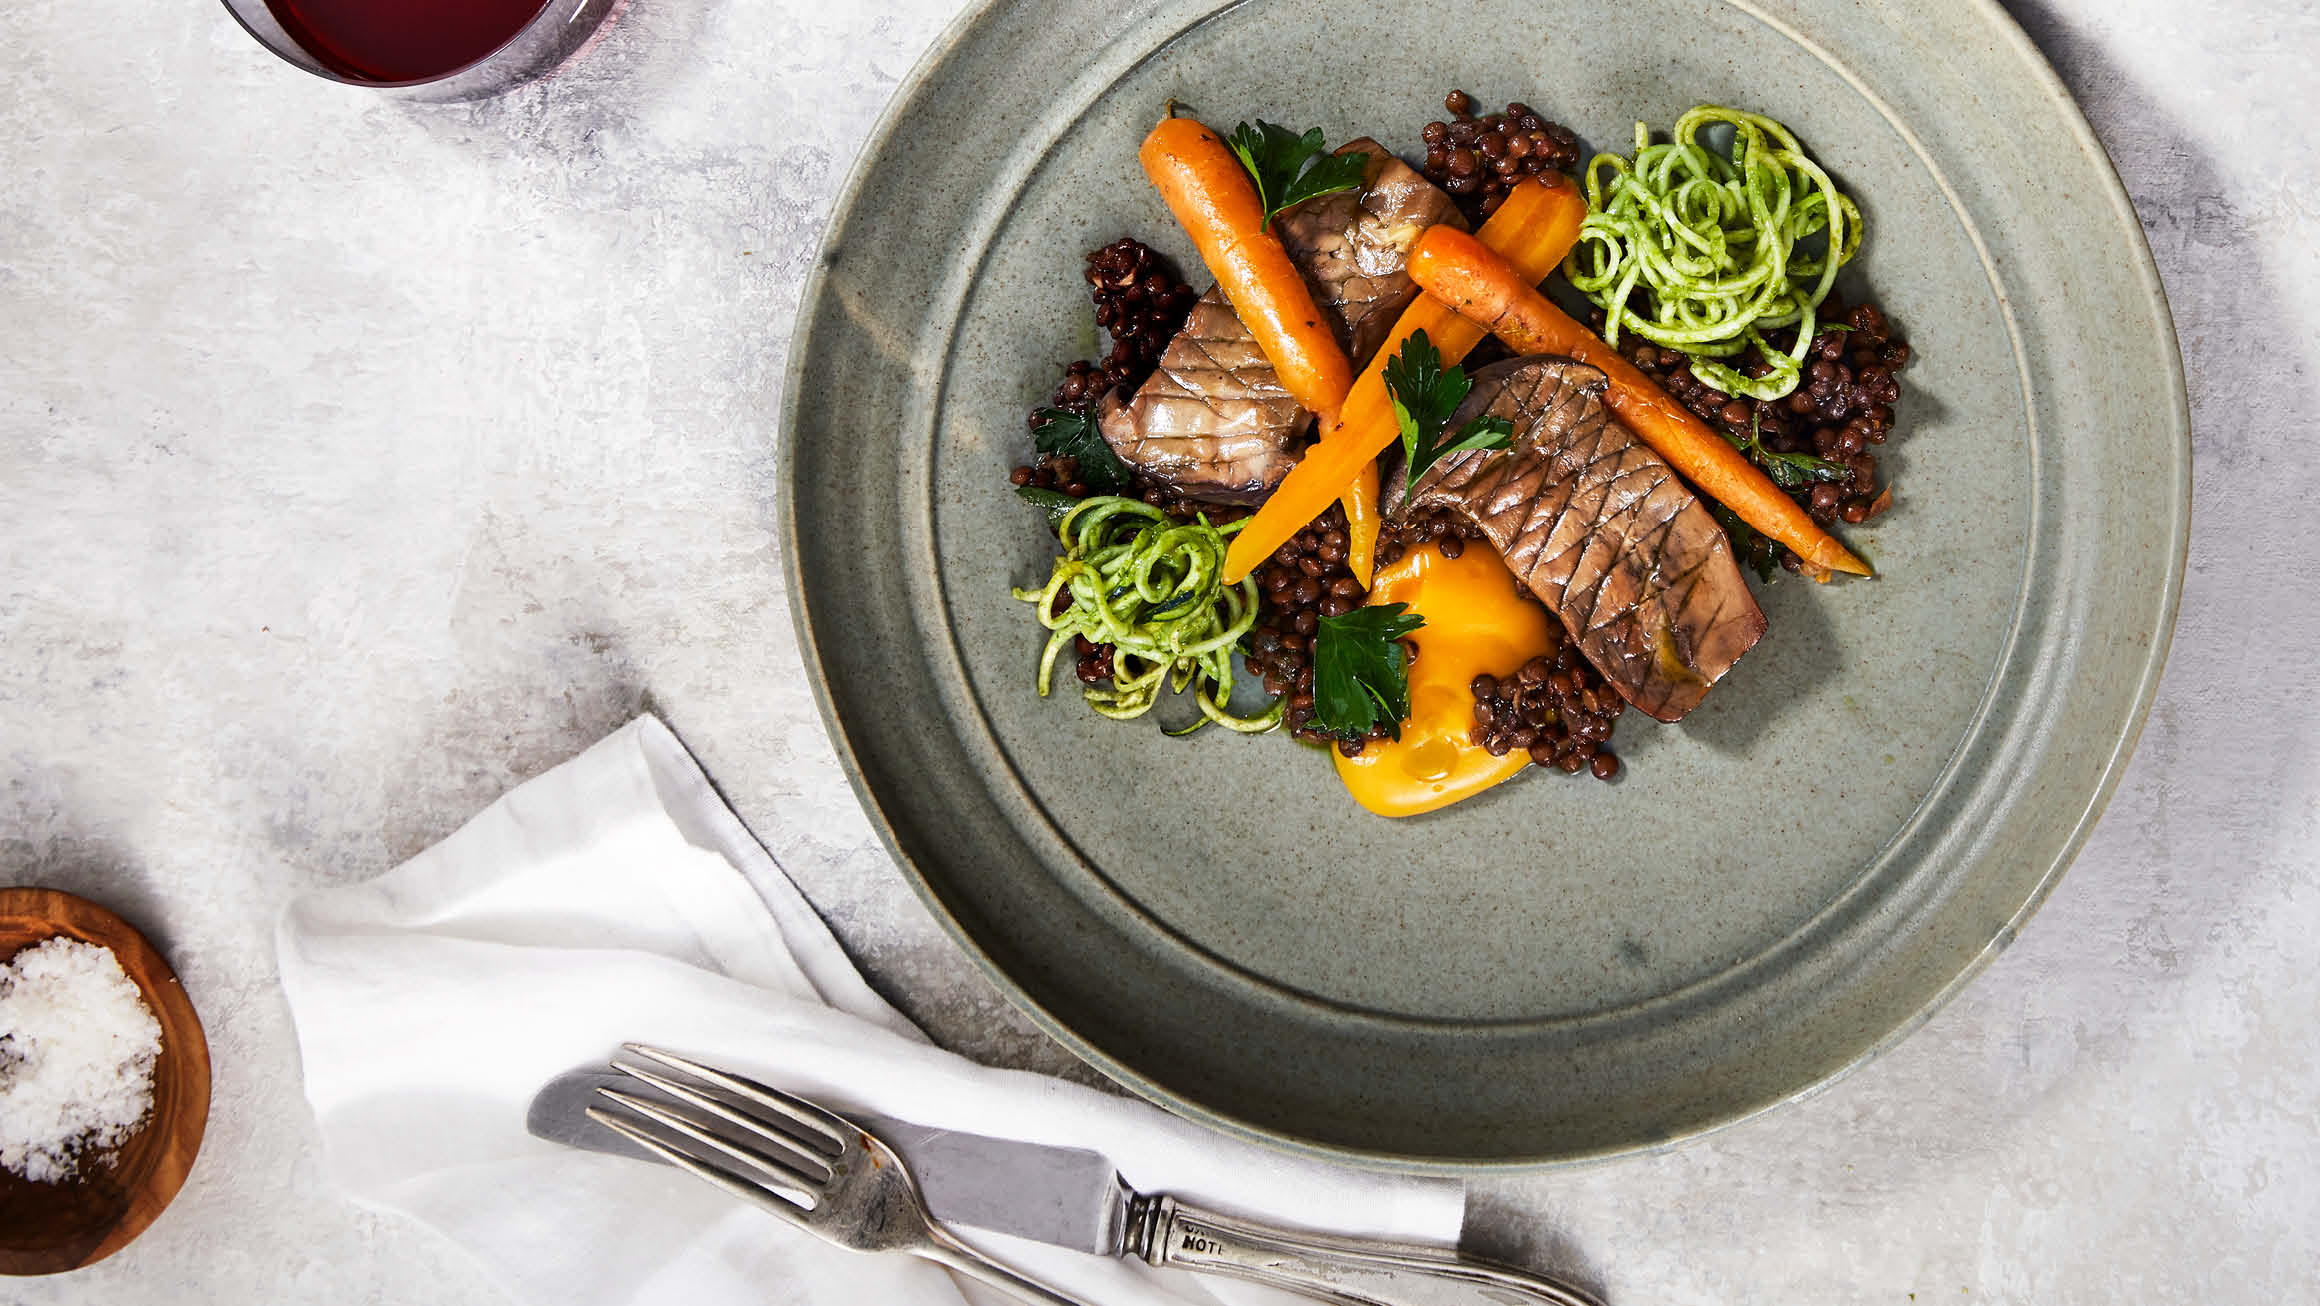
(47, 1228)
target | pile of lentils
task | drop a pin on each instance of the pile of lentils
(1440, 526)
(1141, 303)
(1843, 408)
(1479, 160)
(1305, 580)
(1559, 709)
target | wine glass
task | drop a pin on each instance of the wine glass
(428, 49)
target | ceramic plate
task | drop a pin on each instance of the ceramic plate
(1862, 813)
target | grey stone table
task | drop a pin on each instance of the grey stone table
(358, 460)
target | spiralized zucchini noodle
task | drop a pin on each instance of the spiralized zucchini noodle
(1154, 590)
(1716, 244)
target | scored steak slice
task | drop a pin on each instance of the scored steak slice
(1213, 421)
(1354, 246)
(1602, 531)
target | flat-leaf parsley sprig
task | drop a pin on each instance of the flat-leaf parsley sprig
(1360, 679)
(1068, 434)
(1289, 168)
(1789, 471)
(1425, 396)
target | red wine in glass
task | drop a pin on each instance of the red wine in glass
(402, 40)
(428, 49)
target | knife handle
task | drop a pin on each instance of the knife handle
(1351, 1271)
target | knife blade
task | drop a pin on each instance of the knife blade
(1065, 1196)
(1074, 1198)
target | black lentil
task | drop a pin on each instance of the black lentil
(1441, 526)
(1479, 159)
(1141, 303)
(1557, 708)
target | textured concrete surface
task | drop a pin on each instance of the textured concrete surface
(359, 459)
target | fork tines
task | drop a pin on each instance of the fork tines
(744, 1137)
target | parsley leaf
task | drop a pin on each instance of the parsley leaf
(1065, 433)
(1794, 471)
(1054, 503)
(1789, 471)
(1425, 396)
(1358, 677)
(1290, 169)
(1750, 548)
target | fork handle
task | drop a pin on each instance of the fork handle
(949, 1251)
(1349, 1271)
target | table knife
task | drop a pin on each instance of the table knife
(1070, 1197)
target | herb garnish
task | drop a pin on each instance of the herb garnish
(1056, 504)
(1062, 432)
(1749, 547)
(1789, 471)
(1425, 396)
(1358, 676)
(1290, 169)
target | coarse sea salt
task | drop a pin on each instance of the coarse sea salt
(77, 1048)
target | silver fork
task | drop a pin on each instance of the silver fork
(820, 1173)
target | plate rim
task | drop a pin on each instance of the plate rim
(2122, 741)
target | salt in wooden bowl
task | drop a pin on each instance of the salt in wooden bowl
(46, 1228)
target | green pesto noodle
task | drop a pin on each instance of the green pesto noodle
(1714, 242)
(1154, 590)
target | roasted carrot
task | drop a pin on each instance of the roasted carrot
(1361, 523)
(1459, 270)
(1533, 229)
(1217, 205)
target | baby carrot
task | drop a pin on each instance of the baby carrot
(1216, 203)
(1459, 270)
(1534, 227)
(1361, 523)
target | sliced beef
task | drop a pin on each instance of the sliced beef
(1354, 246)
(1213, 420)
(1602, 531)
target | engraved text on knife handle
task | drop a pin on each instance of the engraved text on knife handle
(1353, 1271)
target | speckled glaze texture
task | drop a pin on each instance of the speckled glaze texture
(1860, 814)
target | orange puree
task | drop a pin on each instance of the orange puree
(1475, 623)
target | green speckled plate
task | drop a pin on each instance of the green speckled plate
(1860, 816)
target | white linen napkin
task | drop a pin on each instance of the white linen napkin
(617, 898)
